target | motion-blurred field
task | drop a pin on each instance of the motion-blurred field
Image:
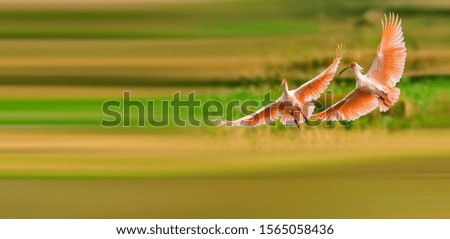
(60, 61)
(73, 173)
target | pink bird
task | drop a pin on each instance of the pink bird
(377, 87)
(294, 106)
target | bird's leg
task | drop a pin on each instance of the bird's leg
(295, 120)
(304, 117)
(384, 97)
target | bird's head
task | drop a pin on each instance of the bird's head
(283, 82)
(352, 65)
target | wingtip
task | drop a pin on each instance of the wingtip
(219, 122)
(340, 50)
(391, 20)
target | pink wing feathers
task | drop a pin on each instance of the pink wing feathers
(312, 89)
(353, 106)
(387, 68)
(267, 114)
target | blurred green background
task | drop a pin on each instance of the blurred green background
(59, 61)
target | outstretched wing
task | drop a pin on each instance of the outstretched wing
(264, 115)
(387, 68)
(353, 106)
(312, 89)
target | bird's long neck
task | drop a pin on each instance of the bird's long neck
(359, 76)
(285, 89)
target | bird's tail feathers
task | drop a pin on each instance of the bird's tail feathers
(391, 98)
(287, 119)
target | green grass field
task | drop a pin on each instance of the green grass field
(423, 104)
(61, 61)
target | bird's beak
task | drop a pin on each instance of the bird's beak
(343, 70)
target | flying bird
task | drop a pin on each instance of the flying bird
(293, 106)
(377, 87)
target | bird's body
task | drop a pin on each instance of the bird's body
(377, 87)
(288, 108)
(293, 107)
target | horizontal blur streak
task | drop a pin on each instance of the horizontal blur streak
(223, 40)
(314, 174)
(99, 155)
